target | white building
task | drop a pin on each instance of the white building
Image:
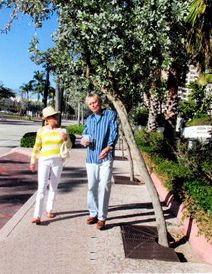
(191, 76)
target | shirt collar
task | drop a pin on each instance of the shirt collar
(101, 114)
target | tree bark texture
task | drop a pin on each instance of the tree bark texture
(153, 111)
(82, 115)
(142, 169)
(46, 88)
(171, 108)
(58, 101)
(132, 176)
(78, 113)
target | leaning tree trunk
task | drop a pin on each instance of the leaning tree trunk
(142, 169)
(132, 177)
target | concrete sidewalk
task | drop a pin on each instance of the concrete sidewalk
(67, 245)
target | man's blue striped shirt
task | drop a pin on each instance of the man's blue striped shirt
(103, 132)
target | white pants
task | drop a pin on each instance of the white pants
(99, 186)
(49, 171)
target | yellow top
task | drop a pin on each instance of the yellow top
(47, 144)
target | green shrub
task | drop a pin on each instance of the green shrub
(28, 140)
(175, 174)
(151, 142)
(188, 176)
(202, 218)
(139, 116)
(75, 129)
(198, 159)
(200, 119)
(201, 193)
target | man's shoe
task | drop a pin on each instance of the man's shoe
(36, 221)
(100, 225)
(91, 220)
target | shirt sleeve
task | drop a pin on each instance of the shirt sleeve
(113, 135)
(85, 130)
(37, 147)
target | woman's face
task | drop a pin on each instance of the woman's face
(52, 121)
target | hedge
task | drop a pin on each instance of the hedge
(75, 129)
(28, 140)
(200, 120)
(188, 176)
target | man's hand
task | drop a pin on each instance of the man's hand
(104, 153)
(32, 167)
(84, 142)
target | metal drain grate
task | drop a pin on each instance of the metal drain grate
(140, 243)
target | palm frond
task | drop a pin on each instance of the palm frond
(196, 9)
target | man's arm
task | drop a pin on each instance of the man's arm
(113, 135)
(112, 139)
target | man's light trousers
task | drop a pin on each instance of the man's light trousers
(49, 171)
(99, 186)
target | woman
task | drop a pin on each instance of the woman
(48, 141)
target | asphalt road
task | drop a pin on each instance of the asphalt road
(11, 132)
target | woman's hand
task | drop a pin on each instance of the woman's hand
(64, 136)
(32, 167)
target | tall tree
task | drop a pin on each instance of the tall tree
(27, 88)
(5, 92)
(117, 52)
(199, 38)
(176, 70)
(39, 83)
(114, 47)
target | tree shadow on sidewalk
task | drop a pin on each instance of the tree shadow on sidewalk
(71, 178)
(139, 218)
(15, 198)
(135, 206)
(68, 215)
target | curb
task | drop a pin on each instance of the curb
(25, 151)
(198, 243)
(7, 229)
(21, 150)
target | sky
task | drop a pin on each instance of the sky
(16, 66)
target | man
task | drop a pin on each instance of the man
(99, 136)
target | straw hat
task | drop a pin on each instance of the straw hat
(49, 111)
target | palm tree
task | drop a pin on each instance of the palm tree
(39, 83)
(5, 92)
(199, 39)
(27, 88)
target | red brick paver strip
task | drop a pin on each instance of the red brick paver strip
(17, 184)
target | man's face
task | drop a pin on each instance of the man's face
(94, 105)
